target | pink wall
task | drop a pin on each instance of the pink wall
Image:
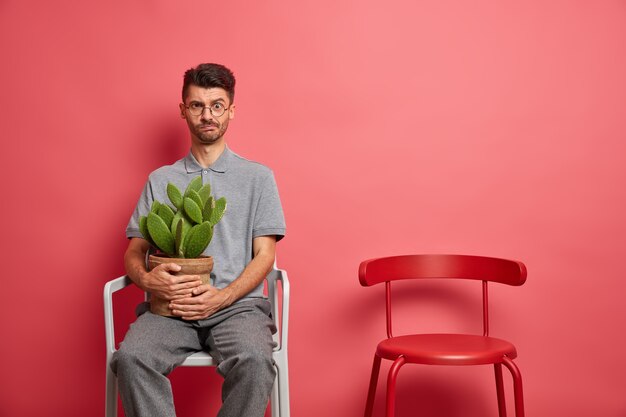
(396, 127)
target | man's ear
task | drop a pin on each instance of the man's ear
(231, 112)
(182, 109)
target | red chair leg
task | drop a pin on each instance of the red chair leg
(500, 390)
(391, 385)
(517, 386)
(371, 393)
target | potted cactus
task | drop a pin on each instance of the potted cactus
(181, 232)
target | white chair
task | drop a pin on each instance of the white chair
(280, 312)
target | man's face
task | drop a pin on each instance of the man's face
(207, 129)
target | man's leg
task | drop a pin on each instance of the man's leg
(243, 344)
(151, 349)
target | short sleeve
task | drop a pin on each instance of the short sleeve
(269, 217)
(142, 209)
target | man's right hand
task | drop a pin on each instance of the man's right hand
(163, 284)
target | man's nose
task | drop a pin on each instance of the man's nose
(206, 115)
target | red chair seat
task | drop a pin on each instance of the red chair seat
(446, 349)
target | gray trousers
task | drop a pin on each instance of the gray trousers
(239, 338)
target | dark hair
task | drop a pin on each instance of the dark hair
(210, 76)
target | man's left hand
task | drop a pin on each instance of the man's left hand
(206, 301)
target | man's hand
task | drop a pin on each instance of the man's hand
(204, 301)
(163, 284)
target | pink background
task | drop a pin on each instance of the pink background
(480, 127)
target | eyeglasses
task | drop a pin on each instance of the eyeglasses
(197, 109)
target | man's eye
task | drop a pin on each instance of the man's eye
(196, 106)
(218, 106)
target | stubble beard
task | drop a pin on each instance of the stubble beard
(209, 138)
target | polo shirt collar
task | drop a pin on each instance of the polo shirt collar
(221, 165)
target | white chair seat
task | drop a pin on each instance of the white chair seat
(199, 359)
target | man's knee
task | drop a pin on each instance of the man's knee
(251, 362)
(258, 360)
(128, 359)
(124, 359)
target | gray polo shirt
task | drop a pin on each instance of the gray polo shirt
(253, 208)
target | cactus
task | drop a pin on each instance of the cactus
(185, 230)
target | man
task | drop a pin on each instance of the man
(230, 318)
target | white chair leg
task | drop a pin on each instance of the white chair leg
(284, 394)
(111, 393)
(282, 388)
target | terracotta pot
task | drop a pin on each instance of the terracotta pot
(201, 266)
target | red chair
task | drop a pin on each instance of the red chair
(444, 349)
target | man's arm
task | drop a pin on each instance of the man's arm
(160, 280)
(208, 300)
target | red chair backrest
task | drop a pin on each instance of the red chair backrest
(375, 271)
